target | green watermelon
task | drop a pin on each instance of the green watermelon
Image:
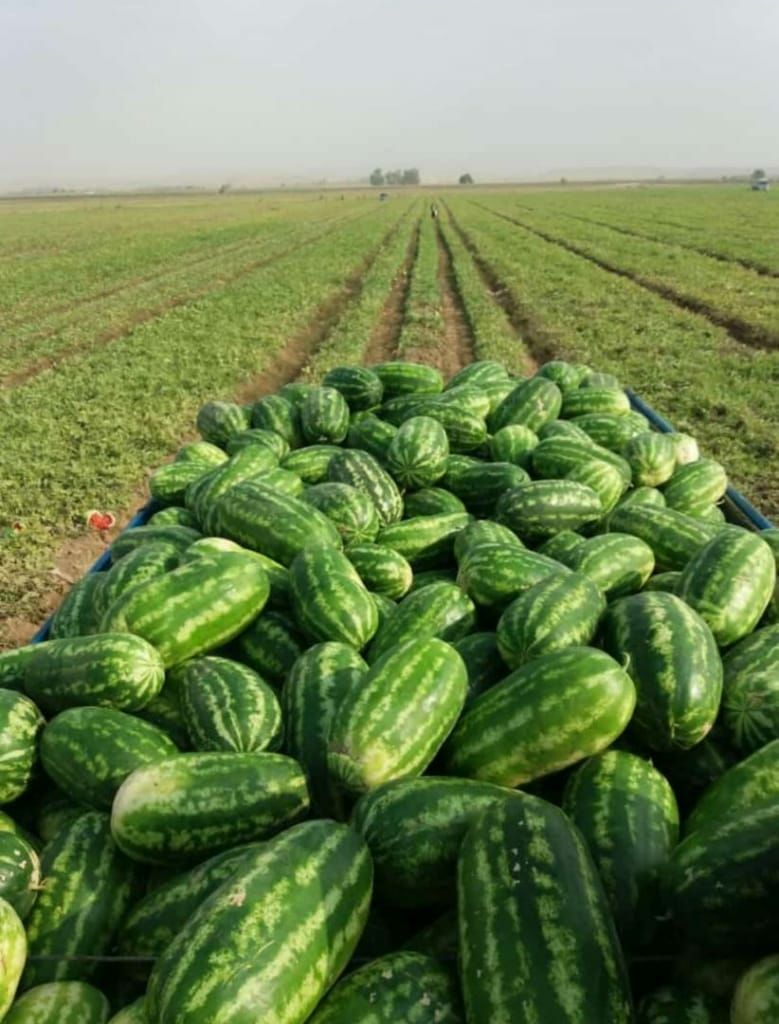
(362, 388)
(329, 599)
(417, 455)
(61, 1002)
(13, 953)
(324, 416)
(370, 434)
(542, 508)
(531, 404)
(695, 486)
(217, 422)
(438, 610)
(76, 614)
(270, 646)
(257, 436)
(582, 401)
(756, 999)
(675, 1005)
(427, 542)
(652, 458)
(616, 562)
(431, 501)
(276, 414)
(514, 443)
(362, 471)
(310, 463)
(405, 378)
(751, 782)
(750, 698)
(129, 540)
(494, 574)
(674, 537)
(20, 724)
(20, 872)
(480, 487)
(382, 570)
(482, 660)
(482, 531)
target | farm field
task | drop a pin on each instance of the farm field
(119, 316)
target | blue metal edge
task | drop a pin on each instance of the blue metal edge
(740, 508)
(141, 517)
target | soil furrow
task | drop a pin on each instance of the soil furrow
(459, 340)
(740, 330)
(383, 343)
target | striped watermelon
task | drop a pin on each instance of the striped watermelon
(20, 872)
(247, 928)
(89, 887)
(271, 646)
(539, 509)
(665, 581)
(606, 480)
(329, 599)
(471, 399)
(277, 525)
(479, 373)
(673, 660)
(438, 610)
(362, 388)
(142, 564)
(164, 711)
(751, 782)
(482, 660)
(674, 1005)
(652, 458)
(480, 487)
(537, 942)
(616, 562)
(588, 400)
(227, 706)
(695, 486)
(351, 511)
(60, 1002)
(382, 570)
(431, 501)
(196, 804)
(494, 574)
(465, 431)
(402, 986)
(609, 430)
(552, 712)
(417, 455)
(217, 422)
(294, 392)
(279, 416)
(133, 1013)
(674, 537)
(531, 404)
(129, 540)
(195, 608)
(13, 953)
(55, 812)
(455, 467)
(154, 921)
(324, 416)
(426, 541)
(278, 576)
(20, 724)
(562, 546)
(750, 698)
(414, 828)
(556, 456)
(567, 376)
(483, 531)
(562, 610)
(400, 377)
(89, 752)
(514, 443)
(169, 483)
(370, 434)
(686, 448)
(362, 471)
(257, 436)
(393, 724)
(756, 999)
(111, 670)
(201, 451)
(310, 463)
(730, 582)
(252, 463)
(314, 690)
(563, 428)
(643, 496)
(627, 813)
(76, 615)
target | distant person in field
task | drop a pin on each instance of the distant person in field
(433, 211)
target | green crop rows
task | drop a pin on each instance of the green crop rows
(119, 316)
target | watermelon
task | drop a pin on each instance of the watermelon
(589, 400)
(414, 828)
(257, 436)
(89, 887)
(133, 1013)
(76, 615)
(405, 378)
(674, 537)
(479, 373)
(675, 1005)
(562, 546)
(556, 456)
(403, 986)
(217, 422)
(394, 723)
(465, 431)
(278, 525)
(567, 376)
(195, 608)
(60, 1002)
(531, 404)
(652, 458)
(324, 416)
(278, 576)
(494, 574)
(471, 400)
(129, 540)
(771, 537)
(294, 392)
(627, 813)
(270, 646)
(643, 496)
(276, 414)
(164, 711)
(548, 714)
(483, 662)
(196, 804)
(752, 782)
(202, 452)
(686, 448)
(483, 531)
(252, 463)
(431, 501)
(169, 483)
(750, 699)
(329, 599)
(54, 812)
(606, 480)
(756, 999)
(144, 563)
(154, 921)
(362, 388)
(20, 724)
(362, 471)
(562, 610)
(370, 434)
(247, 927)
(730, 582)
(616, 562)
(417, 455)
(310, 463)
(111, 670)
(13, 953)
(514, 444)
(537, 942)
(173, 515)
(564, 428)
(538, 510)
(438, 610)
(351, 511)
(480, 487)
(673, 660)
(20, 872)
(695, 486)
(89, 751)
(381, 569)
(609, 430)
(427, 542)
(665, 581)
(313, 691)
(227, 706)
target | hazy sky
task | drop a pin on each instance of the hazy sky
(175, 91)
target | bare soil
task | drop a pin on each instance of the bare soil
(458, 346)
(383, 343)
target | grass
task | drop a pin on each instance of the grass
(423, 322)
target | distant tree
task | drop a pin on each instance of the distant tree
(757, 174)
(377, 177)
(393, 178)
(410, 177)
(465, 179)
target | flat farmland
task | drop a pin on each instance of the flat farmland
(119, 316)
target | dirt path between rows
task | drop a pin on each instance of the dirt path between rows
(383, 343)
(458, 345)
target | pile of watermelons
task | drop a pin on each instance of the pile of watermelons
(269, 760)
